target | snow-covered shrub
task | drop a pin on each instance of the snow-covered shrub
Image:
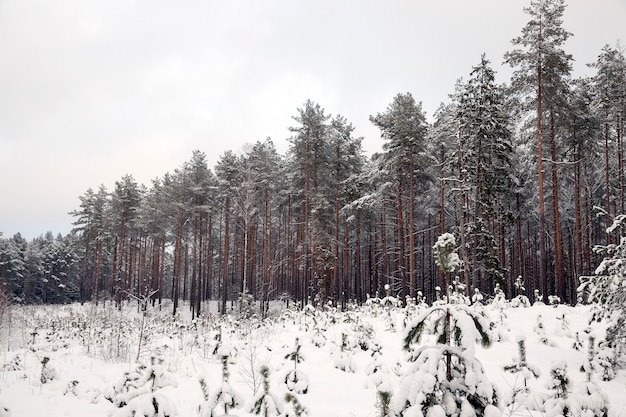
(246, 305)
(477, 297)
(376, 369)
(554, 300)
(363, 335)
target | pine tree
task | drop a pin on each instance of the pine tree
(403, 127)
(541, 80)
(484, 162)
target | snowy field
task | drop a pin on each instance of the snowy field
(77, 361)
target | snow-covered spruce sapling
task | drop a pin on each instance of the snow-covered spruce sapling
(295, 379)
(48, 373)
(520, 394)
(225, 397)
(592, 401)
(540, 329)
(499, 299)
(293, 407)
(447, 378)
(445, 256)
(477, 297)
(384, 407)
(265, 402)
(376, 369)
(137, 394)
(342, 355)
(520, 299)
(598, 361)
(558, 403)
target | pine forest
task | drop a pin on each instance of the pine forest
(526, 176)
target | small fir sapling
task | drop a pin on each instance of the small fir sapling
(295, 379)
(599, 361)
(477, 297)
(554, 300)
(577, 344)
(376, 369)
(225, 397)
(540, 330)
(71, 388)
(520, 299)
(564, 330)
(521, 395)
(457, 292)
(342, 356)
(558, 402)
(538, 297)
(48, 373)
(384, 395)
(319, 334)
(389, 303)
(16, 364)
(499, 299)
(447, 379)
(293, 407)
(204, 409)
(265, 403)
(438, 299)
(591, 399)
(138, 393)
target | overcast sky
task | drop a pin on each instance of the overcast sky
(93, 90)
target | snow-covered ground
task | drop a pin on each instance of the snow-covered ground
(91, 348)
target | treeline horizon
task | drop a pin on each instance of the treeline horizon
(527, 175)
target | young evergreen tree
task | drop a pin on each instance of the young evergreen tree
(607, 288)
(446, 379)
